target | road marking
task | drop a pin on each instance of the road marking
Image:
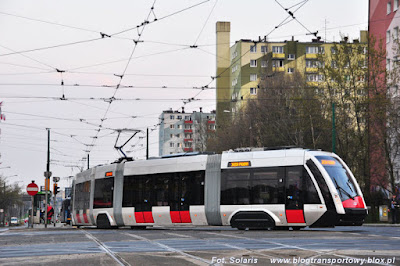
(102, 246)
(174, 234)
(170, 249)
(320, 253)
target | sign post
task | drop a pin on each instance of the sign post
(32, 190)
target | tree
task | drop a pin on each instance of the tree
(344, 70)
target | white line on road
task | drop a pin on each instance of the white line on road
(170, 249)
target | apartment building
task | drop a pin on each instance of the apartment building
(182, 132)
(240, 76)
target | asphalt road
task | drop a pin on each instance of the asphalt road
(364, 245)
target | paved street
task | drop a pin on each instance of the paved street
(200, 246)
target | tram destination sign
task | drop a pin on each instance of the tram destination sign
(239, 164)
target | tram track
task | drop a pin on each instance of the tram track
(319, 253)
(107, 250)
(172, 249)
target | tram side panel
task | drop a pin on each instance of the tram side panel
(164, 192)
(273, 183)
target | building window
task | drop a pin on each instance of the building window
(290, 70)
(333, 64)
(178, 135)
(315, 77)
(395, 33)
(277, 49)
(389, 7)
(395, 5)
(277, 63)
(253, 63)
(388, 36)
(388, 64)
(234, 82)
(179, 117)
(315, 50)
(253, 77)
(253, 91)
(333, 50)
(234, 55)
(291, 57)
(171, 126)
(253, 49)
(179, 145)
(171, 145)
(171, 117)
(179, 126)
(264, 49)
(263, 63)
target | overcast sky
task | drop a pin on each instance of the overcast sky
(40, 37)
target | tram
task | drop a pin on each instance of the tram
(253, 188)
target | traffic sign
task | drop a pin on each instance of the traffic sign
(32, 189)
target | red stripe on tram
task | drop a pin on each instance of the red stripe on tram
(139, 217)
(148, 217)
(185, 217)
(295, 216)
(175, 217)
(85, 218)
(78, 218)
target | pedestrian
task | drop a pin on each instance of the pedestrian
(394, 205)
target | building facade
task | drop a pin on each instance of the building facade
(251, 60)
(182, 132)
(383, 26)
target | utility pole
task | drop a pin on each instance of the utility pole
(47, 175)
(88, 157)
(333, 129)
(147, 144)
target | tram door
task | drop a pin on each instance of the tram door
(294, 195)
(180, 198)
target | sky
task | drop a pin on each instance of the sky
(85, 70)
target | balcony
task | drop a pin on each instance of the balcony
(280, 56)
(188, 122)
(311, 56)
(211, 121)
(188, 149)
(188, 131)
(311, 69)
(188, 140)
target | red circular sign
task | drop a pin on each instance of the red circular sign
(32, 189)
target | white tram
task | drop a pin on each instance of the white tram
(253, 188)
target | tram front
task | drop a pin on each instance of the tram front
(348, 190)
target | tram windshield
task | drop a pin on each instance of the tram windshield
(340, 176)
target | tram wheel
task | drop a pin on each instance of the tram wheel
(252, 220)
(297, 228)
(103, 222)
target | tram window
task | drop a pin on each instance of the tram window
(82, 195)
(161, 188)
(265, 188)
(311, 195)
(103, 193)
(294, 191)
(235, 187)
(322, 184)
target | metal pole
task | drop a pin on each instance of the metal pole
(54, 206)
(48, 177)
(32, 198)
(147, 144)
(333, 129)
(88, 157)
